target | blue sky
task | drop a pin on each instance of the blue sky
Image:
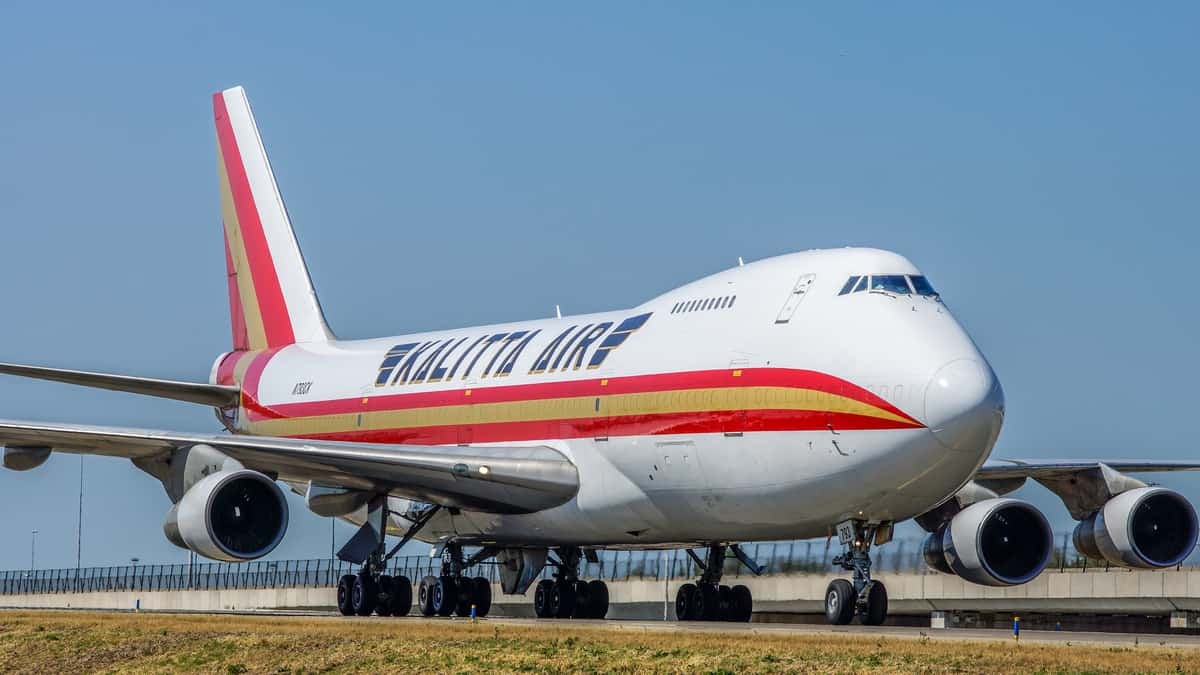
(450, 166)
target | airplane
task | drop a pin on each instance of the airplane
(812, 394)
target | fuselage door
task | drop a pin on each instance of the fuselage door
(799, 290)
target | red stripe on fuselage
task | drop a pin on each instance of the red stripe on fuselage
(276, 321)
(729, 422)
(700, 379)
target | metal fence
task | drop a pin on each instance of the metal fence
(788, 557)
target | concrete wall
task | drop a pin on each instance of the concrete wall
(1101, 592)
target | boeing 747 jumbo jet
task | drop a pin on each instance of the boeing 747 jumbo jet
(811, 394)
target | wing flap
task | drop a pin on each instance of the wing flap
(491, 479)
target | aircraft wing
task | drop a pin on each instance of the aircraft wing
(1004, 469)
(492, 479)
(215, 395)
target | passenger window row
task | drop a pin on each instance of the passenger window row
(704, 304)
(899, 284)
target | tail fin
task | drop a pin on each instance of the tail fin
(271, 298)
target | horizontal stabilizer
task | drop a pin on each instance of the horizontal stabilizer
(215, 395)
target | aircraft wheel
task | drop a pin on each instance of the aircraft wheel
(741, 604)
(724, 603)
(541, 599)
(425, 595)
(877, 605)
(464, 596)
(683, 602)
(384, 607)
(445, 596)
(401, 600)
(597, 599)
(365, 596)
(562, 600)
(582, 600)
(839, 602)
(481, 594)
(345, 595)
(705, 603)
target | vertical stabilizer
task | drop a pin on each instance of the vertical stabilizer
(271, 299)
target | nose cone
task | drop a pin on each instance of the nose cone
(964, 406)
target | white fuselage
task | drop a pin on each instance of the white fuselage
(871, 405)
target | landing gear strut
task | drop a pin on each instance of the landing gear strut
(708, 599)
(864, 596)
(566, 596)
(452, 592)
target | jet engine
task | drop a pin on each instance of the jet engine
(229, 515)
(1148, 527)
(994, 542)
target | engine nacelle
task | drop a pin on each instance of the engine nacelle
(230, 515)
(994, 542)
(1149, 527)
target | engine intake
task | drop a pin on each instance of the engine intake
(994, 542)
(230, 515)
(1149, 527)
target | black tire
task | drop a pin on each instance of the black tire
(445, 596)
(384, 607)
(741, 604)
(562, 600)
(597, 599)
(365, 596)
(482, 594)
(839, 602)
(683, 602)
(541, 599)
(465, 589)
(706, 603)
(402, 596)
(425, 595)
(877, 605)
(582, 601)
(725, 603)
(345, 595)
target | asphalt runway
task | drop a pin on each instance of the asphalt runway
(783, 629)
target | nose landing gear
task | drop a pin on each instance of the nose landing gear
(864, 596)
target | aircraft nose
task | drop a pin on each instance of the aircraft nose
(964, 405)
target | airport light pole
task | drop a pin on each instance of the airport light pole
(32, 549)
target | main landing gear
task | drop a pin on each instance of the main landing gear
(566, 596)
(864, 596)
(452, 592)
(371, 591)
(708, 599)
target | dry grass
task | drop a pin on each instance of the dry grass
(56, 642)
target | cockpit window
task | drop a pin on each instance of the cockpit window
(862, 285)
(849, 285)
(923, 287)
(890, 283)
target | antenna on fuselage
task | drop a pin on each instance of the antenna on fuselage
(557, 312)
(740, 261)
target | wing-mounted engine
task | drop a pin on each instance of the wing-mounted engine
(986, 539)
(1146, 527)
(232, 515)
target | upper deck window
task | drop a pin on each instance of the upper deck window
(922, 286)
(890, 283)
